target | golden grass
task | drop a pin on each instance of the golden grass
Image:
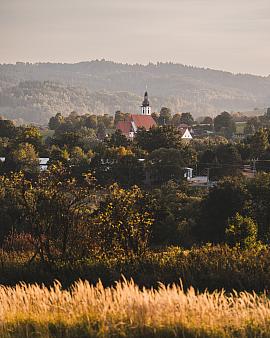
(125, 310)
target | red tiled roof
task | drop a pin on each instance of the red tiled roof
(124, 126)
(143, 121)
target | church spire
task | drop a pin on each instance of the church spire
(145, 107)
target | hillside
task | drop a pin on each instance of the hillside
(34, 92)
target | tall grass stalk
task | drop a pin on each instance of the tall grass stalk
(125, 310)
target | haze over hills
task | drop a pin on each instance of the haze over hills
(34, 92)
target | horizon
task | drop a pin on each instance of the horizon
(231, 36)
(132, 64)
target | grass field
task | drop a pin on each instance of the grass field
(127, 311)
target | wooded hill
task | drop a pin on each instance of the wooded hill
(35, 92)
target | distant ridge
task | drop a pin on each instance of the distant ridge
(103, 86)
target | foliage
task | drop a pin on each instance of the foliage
(224, 200)
(165, 116)
(224, 124)
(187, 118)
(242, 231)
(161, 137)
(22, 157)
(54, 209)
(123, 222)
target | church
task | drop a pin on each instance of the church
(144, 120)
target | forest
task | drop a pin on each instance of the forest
(35, 92)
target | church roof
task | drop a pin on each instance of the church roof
(124, 126)
(143, 121)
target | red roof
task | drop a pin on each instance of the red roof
(143, 121)
(124, 126)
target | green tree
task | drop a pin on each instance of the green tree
(187, 118)
(224, 200)
(242, 231)
(166, 164)
(207, 120)
(259, 143)
(176, 120)
(165, 116)
(117, 139)
(123, 222)
(127, 171)
(56, 121)
(228, 159)
(91, 121)
(259, 190)
(175, 213)
(160, 137)
(7, 129)
(101, 131)
(56, 210)
(224, 124)
(268, 113)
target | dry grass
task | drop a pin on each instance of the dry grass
(127, 311)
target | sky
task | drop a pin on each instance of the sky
(232, 35)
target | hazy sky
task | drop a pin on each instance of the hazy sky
(231, 35)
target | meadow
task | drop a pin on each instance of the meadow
(125, 310)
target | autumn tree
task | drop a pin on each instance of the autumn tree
(123, 222)
(22, 157)
(242, 231)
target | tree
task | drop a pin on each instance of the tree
(91, 122)
(268, 113)
(176, 120)
(55, 209)
(23, 157)
(166, 164)
(128, 170)
(58, 154)
(123, 222)
(187, 118)
(259, 189)
(155, 117)
(117, 139)
(174, 213)
(7, 129)
(31, 135)
(225, 124)
(165, 116)
(207, 120)
(160, 137)
(55, 121)
(229, 160)
(101, 131)
(224, 200)
(242, 231)
(259, 143)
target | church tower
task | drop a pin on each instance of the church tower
(145, 107)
